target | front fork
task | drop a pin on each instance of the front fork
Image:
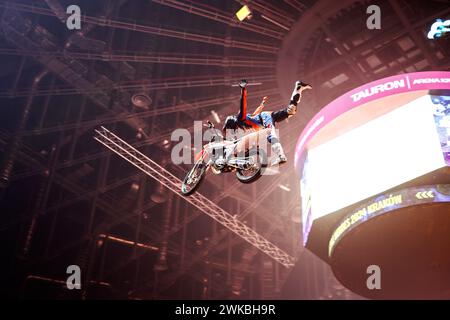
(200, 157)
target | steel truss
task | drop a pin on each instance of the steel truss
(169, 58)
(122, 25)
(152, 169)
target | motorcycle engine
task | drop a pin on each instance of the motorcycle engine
(219, 163)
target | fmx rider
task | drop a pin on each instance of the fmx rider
(265, 119)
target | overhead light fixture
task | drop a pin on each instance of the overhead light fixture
(159, 195)
(166, 144)
(274, 22)
(140, 134)
(141, 100)
(244, 13)
(285, 188)
(135, 186)
(215, 116)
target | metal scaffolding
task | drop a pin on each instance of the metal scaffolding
(185, 65)
(220, 16)
(167, 58)
(151, 168)
(156, 84)
(166, 32)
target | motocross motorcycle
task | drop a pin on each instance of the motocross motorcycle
(245, 156)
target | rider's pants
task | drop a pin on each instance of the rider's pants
(268, 122)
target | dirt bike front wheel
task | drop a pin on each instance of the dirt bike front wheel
(193, 178)
(255, 169)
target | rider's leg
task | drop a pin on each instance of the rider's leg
(277, 150)
(289, 111)
(296, 96)
(280, 115)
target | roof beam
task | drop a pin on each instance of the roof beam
(144, 84)
(420, 42)
(220, 16)
(158, 31)
(151, 168)
(166, 58)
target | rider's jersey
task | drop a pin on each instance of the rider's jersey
(249, 121)
(259, 121)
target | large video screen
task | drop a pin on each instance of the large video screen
(375, 147)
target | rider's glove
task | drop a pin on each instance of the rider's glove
(243, 83)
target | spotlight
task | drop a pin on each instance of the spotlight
(141, 134)
(159, 195)
(141, 100)
(244, 13)
(166, 144)
(135, 186)
(215, 116)
(284, 187)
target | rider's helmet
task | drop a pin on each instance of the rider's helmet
(231, 122)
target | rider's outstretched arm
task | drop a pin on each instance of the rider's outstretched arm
(260, 107)
(243, 105)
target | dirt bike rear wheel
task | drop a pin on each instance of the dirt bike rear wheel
(253, 172)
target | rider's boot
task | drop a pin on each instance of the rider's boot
(296, 95)
(278, 154)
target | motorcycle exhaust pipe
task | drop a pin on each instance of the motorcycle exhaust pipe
(238, 162)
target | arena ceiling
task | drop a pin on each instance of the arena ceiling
(67, 199)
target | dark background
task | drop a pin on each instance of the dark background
(63, 195)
